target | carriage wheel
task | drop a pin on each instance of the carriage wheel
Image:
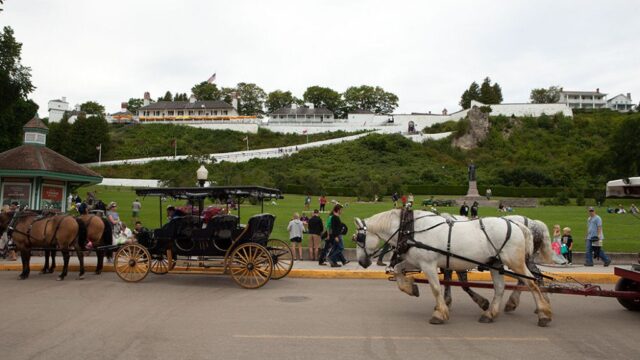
(250, 265)
(160, 265)
(132, 262)
(629, 285)
(282, 258)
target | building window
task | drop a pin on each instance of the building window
(180, 113)
(199, 112)
(225, 112)
(190, 112)
(170, 112)
(215, 112)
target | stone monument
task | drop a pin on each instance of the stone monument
(472, 192)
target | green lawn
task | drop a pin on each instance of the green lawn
(622, 232)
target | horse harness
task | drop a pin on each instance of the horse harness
(38, 217)
(406, 241)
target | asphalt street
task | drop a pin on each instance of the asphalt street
(209, 317)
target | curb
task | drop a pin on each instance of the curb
(595, 278)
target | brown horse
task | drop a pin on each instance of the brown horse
(98, 232)
(30, 230)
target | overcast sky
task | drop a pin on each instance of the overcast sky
(426, 52)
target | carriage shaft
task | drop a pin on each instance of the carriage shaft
(587, 290)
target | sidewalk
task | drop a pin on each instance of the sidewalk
(311, 269)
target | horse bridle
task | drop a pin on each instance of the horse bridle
(360, 237)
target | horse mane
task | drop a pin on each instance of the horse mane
(382, 222)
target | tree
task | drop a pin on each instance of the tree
(625, 150)
(545, 96)
(206, 91)
(323, 97)
(134, 104)
(180, 97)
(226, 94)
(278, 99)
(92, 108)
(251, 100)
(58, 138)
(91, 132)
(370, 98)
(167, 97)
(490, 94)
(473, 93)
(15, 85)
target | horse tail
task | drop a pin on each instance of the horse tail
(107, 233)
(545, 247)
(82, 233)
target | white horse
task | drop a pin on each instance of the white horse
(541, 247)
(510, 241)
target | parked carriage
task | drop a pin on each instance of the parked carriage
(186, 244)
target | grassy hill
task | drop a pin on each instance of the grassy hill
(136, 141)
(550, 151)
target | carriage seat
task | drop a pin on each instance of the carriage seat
(258, 229)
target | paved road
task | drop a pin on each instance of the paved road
(209, 317)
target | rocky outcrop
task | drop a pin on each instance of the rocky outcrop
(477, 132)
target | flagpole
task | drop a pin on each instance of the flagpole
(99, 154)
(175, 148)
(247, 142)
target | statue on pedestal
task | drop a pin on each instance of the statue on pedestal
(472, 172)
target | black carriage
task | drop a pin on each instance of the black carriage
(219, 245)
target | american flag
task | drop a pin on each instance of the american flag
(304, 131)
(174, 143)
(99, 147)
(245, 138)
(212, 78)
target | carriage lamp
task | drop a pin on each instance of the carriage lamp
(202, 174)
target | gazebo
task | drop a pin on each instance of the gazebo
(38, 177)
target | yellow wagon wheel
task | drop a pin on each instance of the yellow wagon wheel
(250, 265)
(282, 258)
(132, 262)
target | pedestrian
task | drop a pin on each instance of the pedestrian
(474, 210)
(464, 209)
(323, 202)
(395, 197)
(594, 240)
(315, 230)
(410, 200)
(488, 193)
(305, 221)
(338, 229)
(567, 245)
(136, 206)
(296, 229)
(556, 243)
(307, 202)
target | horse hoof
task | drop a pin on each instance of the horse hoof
(415, 291)
(43, 272)
(22, 277)
(544, 322)
(436, 321)
(98, 272)
(448, 302)
(80, 277)
(59, 278)
(485, 319)
(485, 305)
(509, 307)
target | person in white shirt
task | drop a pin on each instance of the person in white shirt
(296, 228)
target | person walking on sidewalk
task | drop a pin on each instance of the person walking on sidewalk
(594, 240)
(315, 230)
(335, 236)
(296, 228)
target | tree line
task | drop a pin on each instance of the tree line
(253, 100)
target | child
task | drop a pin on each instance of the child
(567, 245)
(556, 245)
